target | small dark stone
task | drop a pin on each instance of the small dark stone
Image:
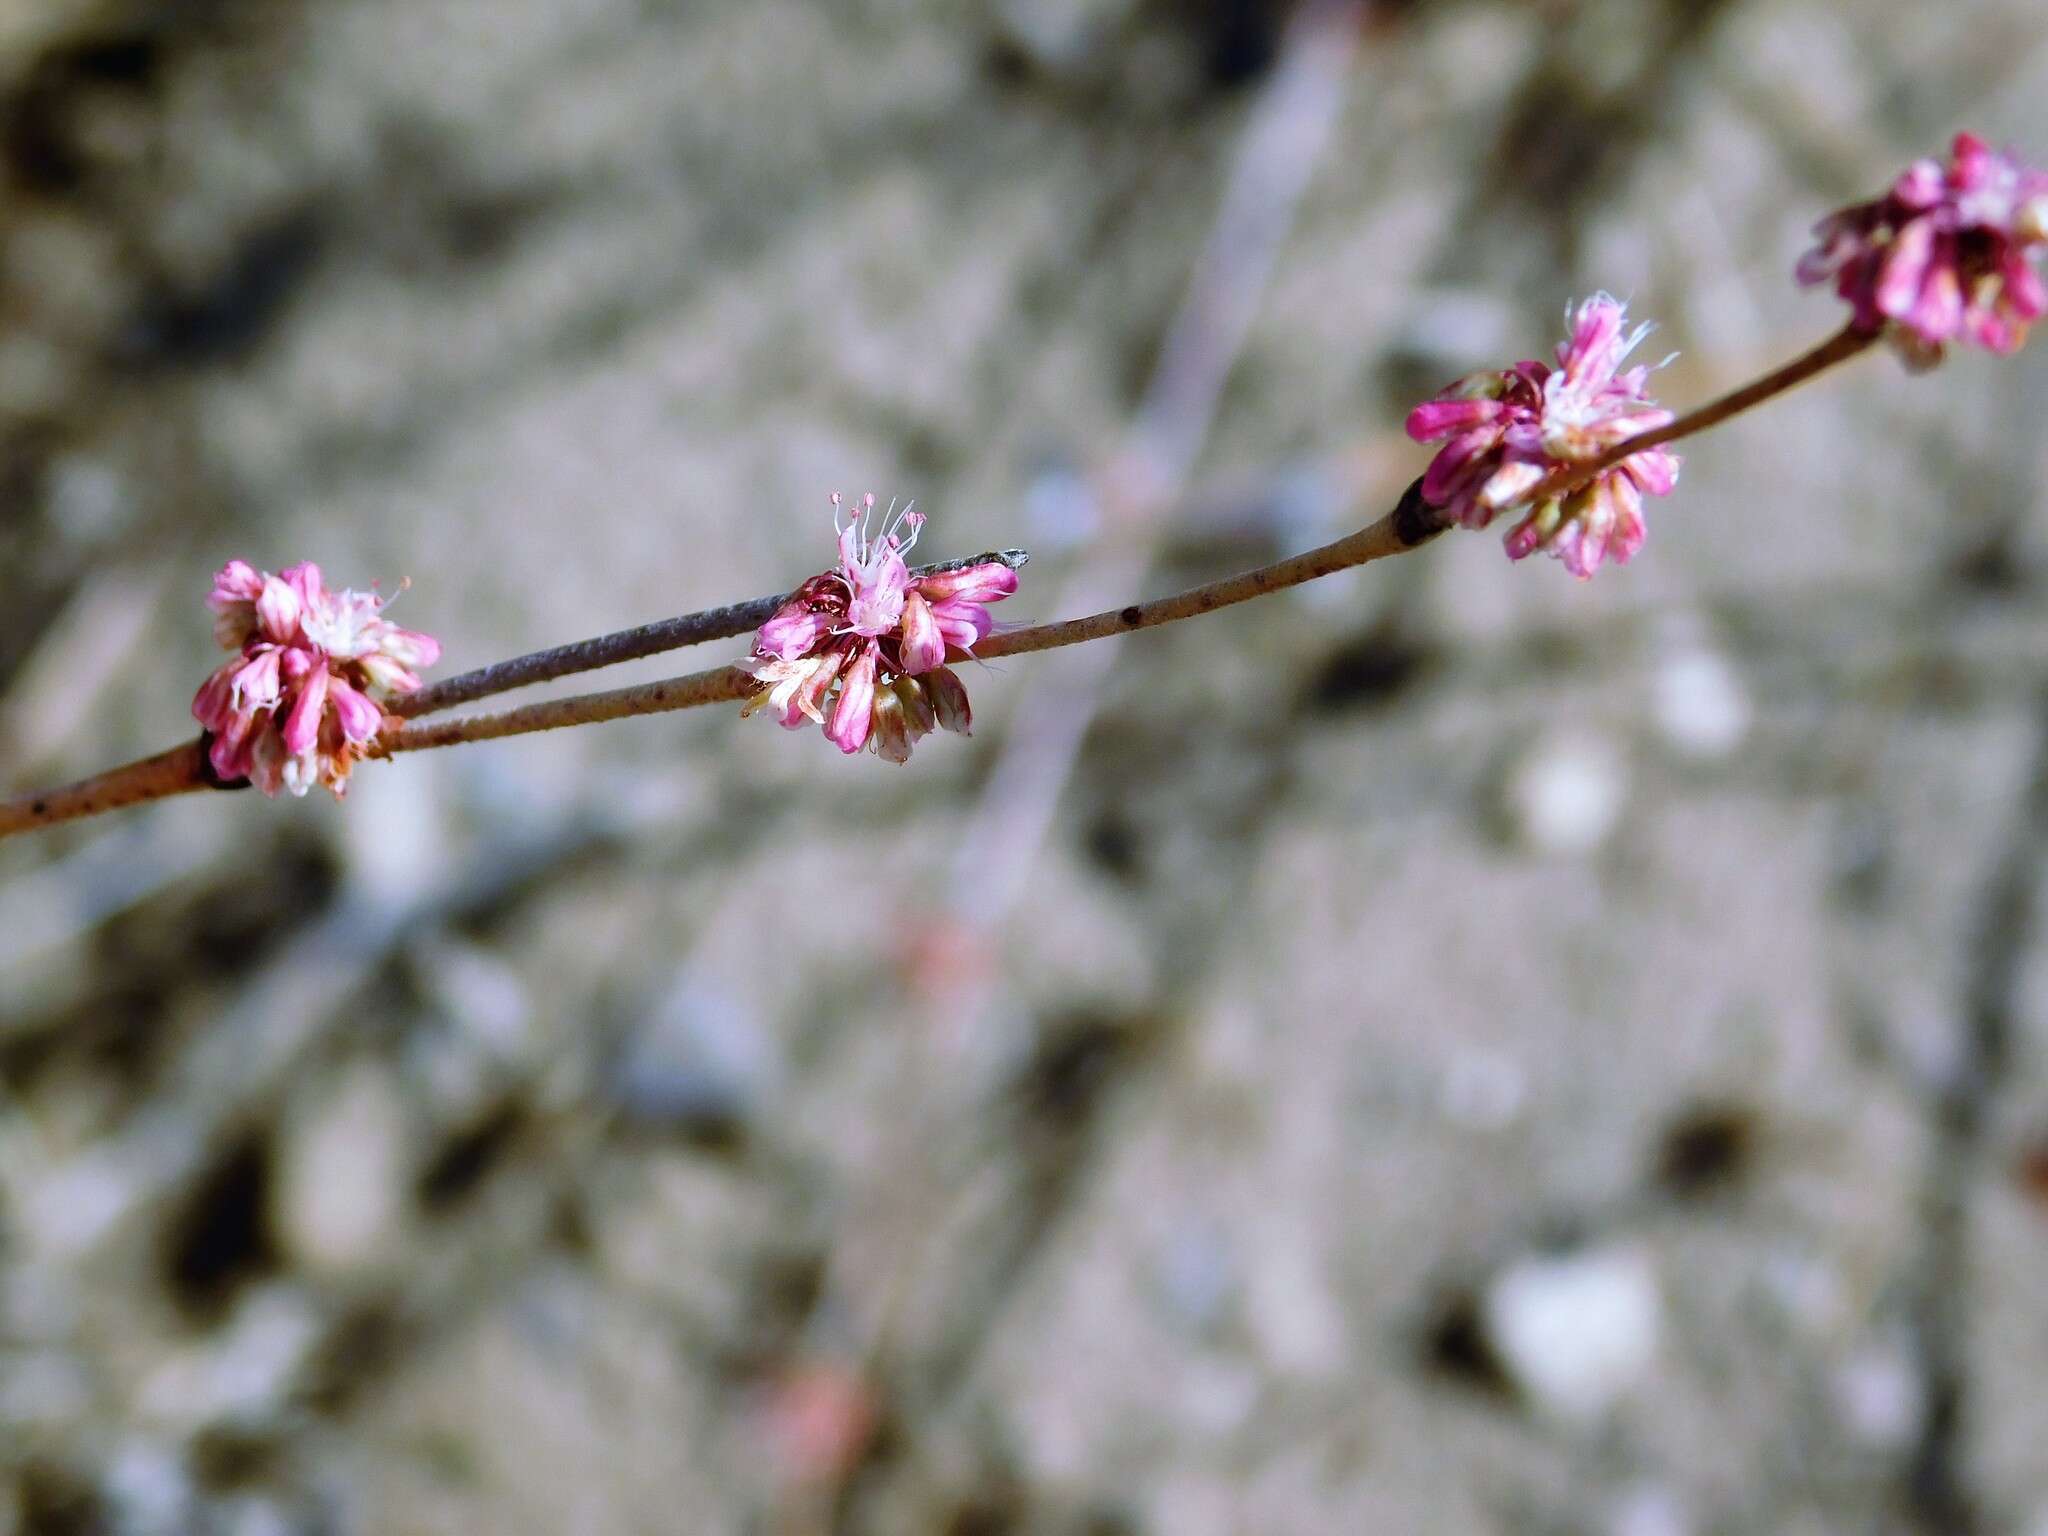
(695, 1069)
(1368, 672)
(55, 1500)
(1116, 844)
(225, 317)
(1075, 1063)
(222, 1238)
(1707, 1149)
(466, 1159)
(1454, 1344)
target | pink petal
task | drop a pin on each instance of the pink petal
(989, 582)
(256, 682)
(2025, 293)
(794, 629)
(212, 704)
(964, 625)
(1922, 184)
(924, 647)
(1654, 469)
(1595, 346)
(1440, 418)
(410, 648)
(380, 671)
(277, 610)
(302, 729)
(1994, 330)
(1973, 157)
(1535, 531)
(229, 752)
(1507, 486)
(1903, 270)
(1629, 528)
(236, 582)
(360, 718)
(853, 717)
(305, 577)
(1939, 313)
(1449, 468)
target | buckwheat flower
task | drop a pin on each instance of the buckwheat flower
(299, 703)
(861, 650)
(1947, 254)
(1506, 433)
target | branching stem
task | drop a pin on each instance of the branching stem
(1410, 525)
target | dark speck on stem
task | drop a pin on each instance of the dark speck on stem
(1131, 615)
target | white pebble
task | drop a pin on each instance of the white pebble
(341, 1172)
(149, 1488)
(1879, 1397)
(1297, 1323)
(242, 1375)
(1482, 1090)
(1575, 1332)
(1565, 795)
(1700, 704)
(1649, 1510)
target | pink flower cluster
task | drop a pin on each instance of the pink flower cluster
(1505, 433)
(861, 650)
(1945, 255)
(298, 703)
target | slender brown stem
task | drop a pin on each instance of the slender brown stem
(630, 645)
(1840, 347)
(1411, 524)
(718, 685)
(176, 772)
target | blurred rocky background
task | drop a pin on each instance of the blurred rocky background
(1451, 1050)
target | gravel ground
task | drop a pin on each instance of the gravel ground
(1467, 1051)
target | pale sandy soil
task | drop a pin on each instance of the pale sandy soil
(1472, 1052)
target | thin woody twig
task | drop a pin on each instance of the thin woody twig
(1411, 524)
(630, 645)
(1838, 348)
(179, 771)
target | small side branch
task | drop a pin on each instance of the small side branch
(629, 645)
(1410, 525)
